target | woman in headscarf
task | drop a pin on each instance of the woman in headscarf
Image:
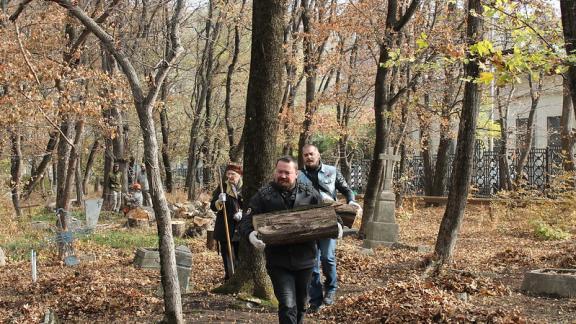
(231, 198)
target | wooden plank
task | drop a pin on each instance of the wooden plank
(297, 225)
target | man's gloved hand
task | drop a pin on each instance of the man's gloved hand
(222, 197)
(258, 243)
(355, 204)
(340, 231)
(238, 215)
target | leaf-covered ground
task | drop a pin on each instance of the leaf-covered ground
(482, 285)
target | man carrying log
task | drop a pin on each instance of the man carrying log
(326, 179)
(289, 266)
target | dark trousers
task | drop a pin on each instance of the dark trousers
(226, 259)
(291, 290)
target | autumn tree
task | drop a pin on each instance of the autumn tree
(260, 132)
(462, 167)
(384, 99)
(144, 101)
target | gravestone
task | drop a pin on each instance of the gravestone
(550, 282)
(183, 267)
(382, 229)
(149, 258)
(2, 258)
(93, 207)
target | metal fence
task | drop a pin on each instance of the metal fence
(540, 169)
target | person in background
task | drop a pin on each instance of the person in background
(327, 180)
(232, 199)
(115, 186)
(289, 266)
(134, 196)
(142, 179)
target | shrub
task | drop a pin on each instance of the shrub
(548, 232)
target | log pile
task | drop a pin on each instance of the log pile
(196, 215)
(296, 226)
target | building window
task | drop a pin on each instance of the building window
(554, 131)
(521, 132)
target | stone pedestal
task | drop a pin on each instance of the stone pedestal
(382, 229)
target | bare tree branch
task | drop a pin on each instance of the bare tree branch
(23, 51)
(19, 10)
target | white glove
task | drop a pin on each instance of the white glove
(238, 215)
(222, 197)
(340, 231)
(258, 243)
(355, 204)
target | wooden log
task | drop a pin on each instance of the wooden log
(138, 222)
(347, 213)
(178, 228)
(297, 226)
(210, 242)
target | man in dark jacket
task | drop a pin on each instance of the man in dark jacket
(289, 266)
(232, 199)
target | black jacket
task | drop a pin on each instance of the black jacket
(233, 204)
(273, 198)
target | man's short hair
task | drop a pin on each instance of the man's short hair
(310, 145)
(288, 159)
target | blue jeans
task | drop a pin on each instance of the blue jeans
(326, 257)
(291, 290)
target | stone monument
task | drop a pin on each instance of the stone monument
(382, 229)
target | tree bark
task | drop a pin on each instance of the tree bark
(62, 166)
(72, 164)
(567, 133)
(89, 164)
(462, 166)
(568, 10)
(15, 168)
(260, 131)
(164, 128)
(503, 112)
(527, 145)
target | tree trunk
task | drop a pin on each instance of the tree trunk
(72, 163)
(310, 69)
(144, 104)
(527, 145)
(233, 146)
(567, 133)
(568, 10)
(383, 106)
(89, 164)
(164, 128)
(462, 166)
(15, 168)
(260, 131)
(42, 167)
(503, 166)
(441, 166)
(62, 166)
(425, 148)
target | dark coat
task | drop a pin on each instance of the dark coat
(273, 198)
(233, 204)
